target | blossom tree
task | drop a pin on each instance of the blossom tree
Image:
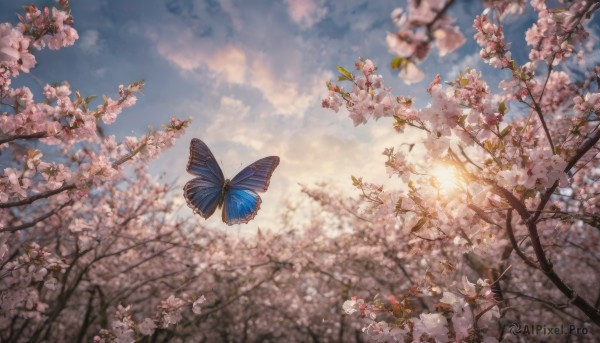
(69, 214)
(515, 201)
(91, 251)
(493, 225)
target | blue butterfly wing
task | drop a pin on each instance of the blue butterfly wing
(241, 203)
(256, 176)
(202, 196)
(240, 206)
(202, 163)
(204, 193)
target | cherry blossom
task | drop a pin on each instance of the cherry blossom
(425, 23)
(490, 215)
(510, 170)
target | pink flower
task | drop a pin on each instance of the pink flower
(491, 39)
(147, 327)
(448, 39)
(51, 283)
(14, 50)
(432, 325)
(350, 306)
(196, 305)
(403, 44)
(368, 68)
(171, 311)
(411, 74)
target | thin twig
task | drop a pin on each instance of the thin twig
(37, 220)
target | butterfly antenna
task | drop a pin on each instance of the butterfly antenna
(222, 166)
(238, 169)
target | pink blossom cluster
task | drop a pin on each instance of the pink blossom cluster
(91, 251)
(424, 22)
(61, 119)
(36, 29)
(556, 32)
(398, 163)
(509, 178)
(69, 186)
(588, 104)
(542, 173)
(472, 90)
(368, 97)
(15, 55)
(490, 38)
(468, 314)
(557, 94)
(51, 27)
(508, 7)
(124, 328)
(443, 113)
(37, 267)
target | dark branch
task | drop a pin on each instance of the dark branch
(29, 136)
(37, 220)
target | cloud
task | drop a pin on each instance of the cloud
(233, 124)
(234, 14)
(288, 92)
(229, 62)
(189, 52)
(89, 42)
(180, 49)
(473, 61)
(306, 13)
(284, 95)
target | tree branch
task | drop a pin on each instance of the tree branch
(37, 220)
(29, 136)
(31, 199)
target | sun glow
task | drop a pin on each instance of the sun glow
(445, 178)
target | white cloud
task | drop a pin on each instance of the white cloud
(288, 93)
(229, 62)
(181, 49)
(283, 95)
(233, 124)
(90, 42)
(306, 13)
(473, 61)
(188, 52)
(231, 10)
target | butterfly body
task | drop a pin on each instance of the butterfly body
(210, 190)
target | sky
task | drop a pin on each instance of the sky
(251, 74)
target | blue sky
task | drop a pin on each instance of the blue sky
(251, 74)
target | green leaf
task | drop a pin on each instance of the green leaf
(419, 225)
(344, 78)
(502, 107)
(530, 193)
(398, 208)
(411, 185)
(344, 72)
(90, 98)
(400, 122)
(398, 62)
(506, 131)
(488, 145)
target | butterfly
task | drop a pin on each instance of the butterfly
(237, 196)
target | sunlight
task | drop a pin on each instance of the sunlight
(446, 178)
